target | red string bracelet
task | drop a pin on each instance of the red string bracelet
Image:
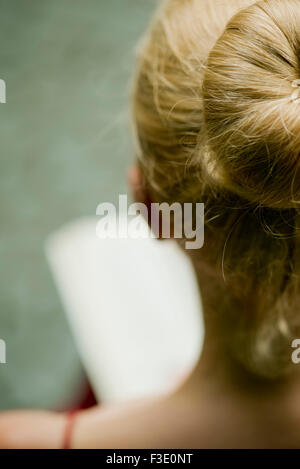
(70, 421)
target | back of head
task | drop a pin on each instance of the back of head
(217, 117)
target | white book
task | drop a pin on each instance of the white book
(133, 306)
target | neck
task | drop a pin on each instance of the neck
(216, 368)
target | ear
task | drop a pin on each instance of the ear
(136, 182)
(139, 191)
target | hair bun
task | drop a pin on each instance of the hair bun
(251, 94)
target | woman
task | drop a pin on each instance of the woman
(216, 108)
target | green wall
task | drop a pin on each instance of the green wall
(65, 145)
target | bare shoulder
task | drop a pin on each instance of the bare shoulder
(166, 422)
(146, 423)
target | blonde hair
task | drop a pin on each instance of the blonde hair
(217, 120)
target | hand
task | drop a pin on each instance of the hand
(31, 429)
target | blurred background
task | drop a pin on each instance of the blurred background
(65, 147)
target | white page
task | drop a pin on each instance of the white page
(133, 306)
